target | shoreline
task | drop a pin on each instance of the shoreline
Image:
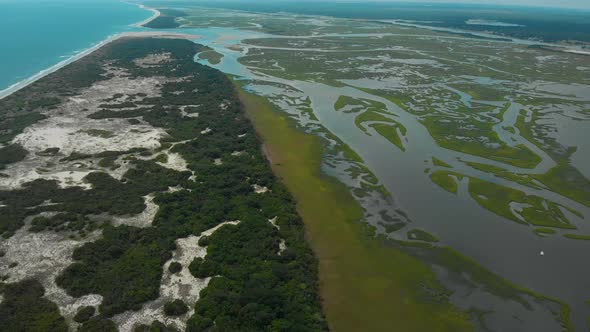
(149, 19)
(22, 84)
(26, 82)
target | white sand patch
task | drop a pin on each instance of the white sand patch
(19, 176)
(218, 162)
(184, 107)
(193, 177)
(176, 162)
(189, 115)
(259, 189)
(68, 126)
(144, 219)
(153, 60)
(186, 114)
(237, 153)
(273, 221)
(176, 189)
(182, 285)
(282, 247)
(44, 256)
(545, 58)
(206, 131)
(123, 166)
(282, 244)
(224, 106)
(78, 100)
(70, 135)
(70, 179)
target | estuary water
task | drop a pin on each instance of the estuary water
(39, 34)
(502, 246)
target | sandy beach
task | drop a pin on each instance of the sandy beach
(149, 19)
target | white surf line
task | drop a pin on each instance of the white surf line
(22, 84)
(19, 85)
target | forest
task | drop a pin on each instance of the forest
(254, 286)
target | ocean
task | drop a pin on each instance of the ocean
(39, 34)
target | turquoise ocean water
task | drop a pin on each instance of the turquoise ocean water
(38, 34)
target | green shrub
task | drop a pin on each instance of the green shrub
(84, 314)
(203, 241)
(175, 308)
(175, 267)
(98, 324)
(11, 154)
(25, 309)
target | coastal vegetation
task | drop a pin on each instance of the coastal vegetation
(446, 180)
(470, 142)
(211, 56)
(99, 324)
(84, 314)
(543, 231)
(370, 116)
(535, 210)
(253, 285)
(568, 181)
(350, 254)
(175, 267)
(577, 236)
(175, 308)
(376, 115)
(11, 154)
(25, 309)
(508, 202)
(354, 265)
(391, 132)
(344, 101)
(166, 20)
(440, 163)
(421, 235)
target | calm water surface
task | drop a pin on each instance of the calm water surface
(38, 34)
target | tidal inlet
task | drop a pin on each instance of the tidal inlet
(262, 166)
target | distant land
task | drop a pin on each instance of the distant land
(543, 24)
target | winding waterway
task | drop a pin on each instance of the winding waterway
(502, 246)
